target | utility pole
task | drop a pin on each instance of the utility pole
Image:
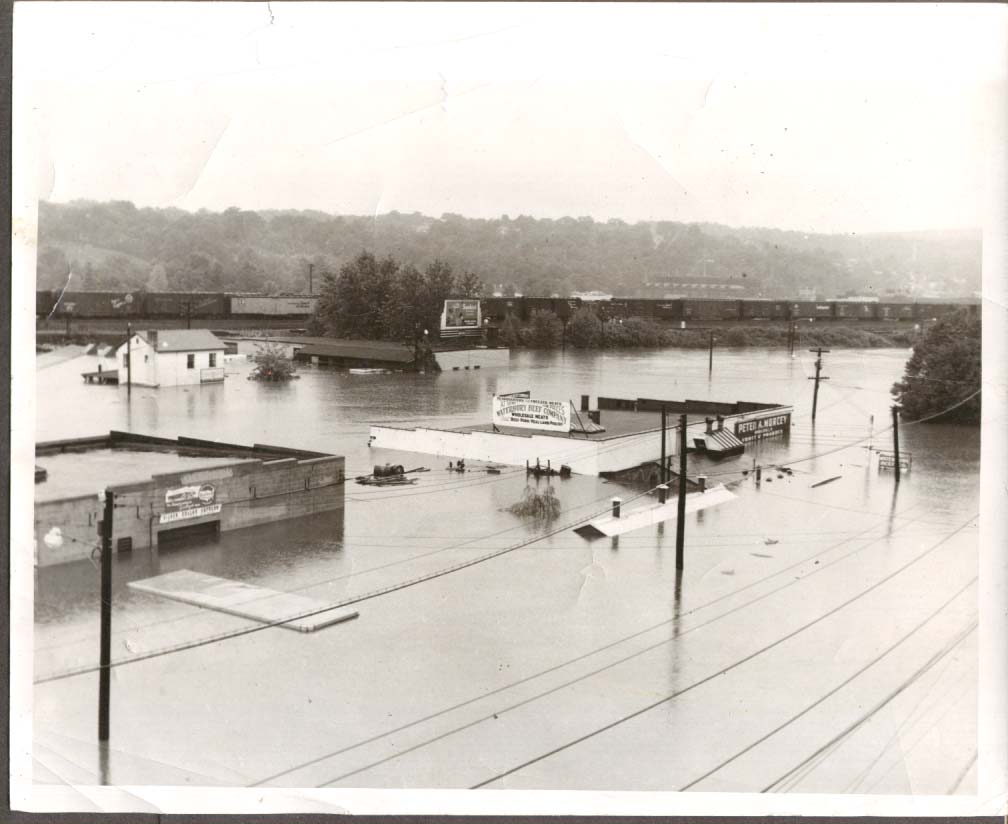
(680, 533)
(664, 460)
(311, 268)
(129, 360)
(105, 647)
(895, 442)
(710, 353)
(188, 314)
(818, 365)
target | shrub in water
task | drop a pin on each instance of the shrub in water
(535, 504)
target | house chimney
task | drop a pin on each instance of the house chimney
(152, 337)
(720, 422)
(710, 425)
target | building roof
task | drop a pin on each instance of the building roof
(357, 349)
(182, 340)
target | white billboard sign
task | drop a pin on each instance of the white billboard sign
(531, 413)
(461, 314)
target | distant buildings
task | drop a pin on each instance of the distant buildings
(173, 357)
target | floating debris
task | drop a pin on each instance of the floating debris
(827, 481)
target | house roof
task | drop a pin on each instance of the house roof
(182, 340)
(362, 350)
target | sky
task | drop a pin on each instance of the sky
(846, 118)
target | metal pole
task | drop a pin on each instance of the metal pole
(664, 462)
(311, 267)
(680, 533)
(105, 649)
(710, 354)
(895, 441)
(129, 360)
(188, 315)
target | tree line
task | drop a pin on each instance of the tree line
(116, 245)
(383, 299)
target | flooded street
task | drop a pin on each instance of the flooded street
(820, 638)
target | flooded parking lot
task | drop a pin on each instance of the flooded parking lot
(820, 638)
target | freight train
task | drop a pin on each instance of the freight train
(164, 305)
(225, 306)
(497, 310)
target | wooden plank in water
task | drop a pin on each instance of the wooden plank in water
(269, 606)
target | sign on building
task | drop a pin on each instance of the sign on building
(531, 413)
(764, 426)
(461, 314)
(185, 497)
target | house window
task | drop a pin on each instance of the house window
(146, 358)
(125, 359)
(213, 358)
(190, 361)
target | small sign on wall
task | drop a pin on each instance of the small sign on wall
(183, 497)
(186, 514)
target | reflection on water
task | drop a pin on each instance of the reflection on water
(511, 629)
(264, 553)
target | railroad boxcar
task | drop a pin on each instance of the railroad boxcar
(102, 304)
(757, 309)
(854, 310)
(273, 305)
(641, 308)
(711, 309)
(806, 309)
(44, 301)
(166, 304)
(617, 309)
(668, 309)
(933, 311)
(895, 311)
(498, 309)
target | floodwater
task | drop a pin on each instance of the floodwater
(819, 639)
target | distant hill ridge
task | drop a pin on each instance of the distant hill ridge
(115, 245)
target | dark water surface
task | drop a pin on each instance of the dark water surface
(795, 652)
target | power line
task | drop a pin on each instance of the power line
(938, 656)
(613, 644)
(831, 692)
(720, 672)
(327, 608)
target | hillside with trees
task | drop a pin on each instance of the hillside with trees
(116, 245)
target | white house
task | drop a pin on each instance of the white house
(171, 357)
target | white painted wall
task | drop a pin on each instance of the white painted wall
(142, 356)
(173, 371)
(586, 457)
(473, 358)
(151, 368)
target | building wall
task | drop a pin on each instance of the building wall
(586, 457)
(151, 368)
(250, 492)
(473, 359)
(173, 371)
(144, 363)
